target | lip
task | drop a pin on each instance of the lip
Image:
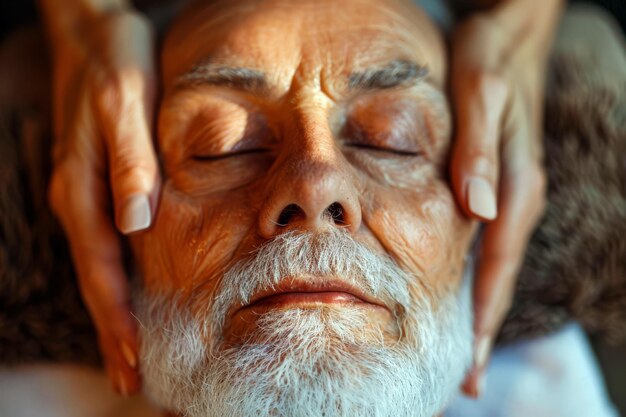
(298, 292)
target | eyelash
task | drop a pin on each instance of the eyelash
(205, 158)
(397, 152)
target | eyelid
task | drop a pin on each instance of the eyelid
(356, 136)
(243, 152)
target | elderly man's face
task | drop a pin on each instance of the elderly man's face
(307, 250)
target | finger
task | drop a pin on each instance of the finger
(479, 101)
(125, 102)
(124, 381)
(503, 248)
(78, 202)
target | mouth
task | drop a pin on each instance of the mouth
(300, 294)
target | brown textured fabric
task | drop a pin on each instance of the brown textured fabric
(575, 268)
(41, 315)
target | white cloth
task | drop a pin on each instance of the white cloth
(553, 376)
(64, 391)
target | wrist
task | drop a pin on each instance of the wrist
(66, 19)
(527, 27)
(512, 34)
(56, 8)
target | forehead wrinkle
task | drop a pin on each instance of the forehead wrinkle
(389, 23)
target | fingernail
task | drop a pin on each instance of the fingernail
(481, 353)
(129, 355)
(481, 198)
(122, 384)
(136, 214)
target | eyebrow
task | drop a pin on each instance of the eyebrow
(396, 73)
(240, 78)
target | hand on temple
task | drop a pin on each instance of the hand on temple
(104, 159)
(498, 62)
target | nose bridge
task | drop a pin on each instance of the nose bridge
(311, 187)
(313, 161)
(313, 141)
(310, 123)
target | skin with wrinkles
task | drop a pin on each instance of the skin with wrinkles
(234, 157)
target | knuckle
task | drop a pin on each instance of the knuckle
(487, 81)
(131, 78)
(109, 88)
(475, 153)
(132, 170)
(115, 89)
(482, 156)
(475, 158)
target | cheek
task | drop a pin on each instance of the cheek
(423, 231)
(191, 241)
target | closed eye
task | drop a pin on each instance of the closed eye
(243, 152)
(369, 147)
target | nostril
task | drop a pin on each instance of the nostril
(335, 212)
(289, 213)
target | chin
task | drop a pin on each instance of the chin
(301, 362)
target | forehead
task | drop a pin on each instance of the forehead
(284, 39)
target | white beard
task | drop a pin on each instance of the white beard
(307, 362)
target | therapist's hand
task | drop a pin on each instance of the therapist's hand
(497, 75)
(105, 177)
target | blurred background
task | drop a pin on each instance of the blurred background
(14, 14)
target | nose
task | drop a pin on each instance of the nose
(310, 196)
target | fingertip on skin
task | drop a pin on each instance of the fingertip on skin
(474, 386)
(481, 198)
(125, 382)
(136, 214)
(129, 355)
(123, 377)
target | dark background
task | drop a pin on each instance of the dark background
(17, 12)
(14, 13)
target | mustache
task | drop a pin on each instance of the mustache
(333, 253)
